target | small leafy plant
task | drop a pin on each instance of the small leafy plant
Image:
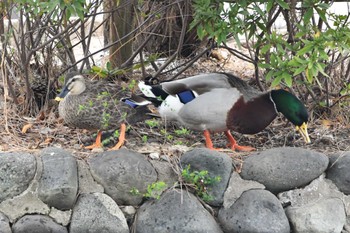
(152, 123)
(154, 190)
(182, 131)
(200, 180)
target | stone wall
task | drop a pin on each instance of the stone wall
(277, 190)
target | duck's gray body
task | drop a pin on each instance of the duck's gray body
(216, 98)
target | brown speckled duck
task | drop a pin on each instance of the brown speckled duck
(220, 102)
(97, 106)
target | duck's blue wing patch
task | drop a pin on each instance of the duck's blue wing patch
(130, 103)
(186, 96)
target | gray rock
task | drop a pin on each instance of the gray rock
(339, 171)
(121, 171)
(4, 224)
(60, 216)
(58, 184)
(285, 168)
(37, 224)
(318, 189)
(216, 163)
(176, 211)
(97, 212)
(347, 225)
(165, 172)
(16, 172)
(129, 212)
(318, 207)
(236, 187)
(27, 203)
(87, 184)
(326, 215)
(255, 211)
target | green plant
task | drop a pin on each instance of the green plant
(307, 53)
(134, 191)
(182, 132)
(108, 140)
(154, 190)
(152, 123)
(106, 117)
(168, 137)
(144, 138)
(200, 180)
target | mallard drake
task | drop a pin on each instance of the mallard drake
(220, 102)
(97, 106)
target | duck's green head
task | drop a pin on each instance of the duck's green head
(74, 86)
(293, 109)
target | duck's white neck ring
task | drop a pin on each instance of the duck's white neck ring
(273, 102)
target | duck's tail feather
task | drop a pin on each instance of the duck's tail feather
(152, 93)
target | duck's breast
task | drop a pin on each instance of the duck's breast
(253, 116)
(209, 110)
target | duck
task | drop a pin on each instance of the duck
(97, 106)
(221, 102)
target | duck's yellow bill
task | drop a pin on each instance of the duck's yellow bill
(303, 131)
(58, 98)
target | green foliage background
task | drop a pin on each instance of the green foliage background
(301, 54)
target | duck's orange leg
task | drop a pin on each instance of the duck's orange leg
(121, 137)
(234, 145)
(97, 143)
(208, 142)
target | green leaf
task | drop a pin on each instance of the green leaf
(269, 75)
(320, 68)
(283, 4)
(269, 6)
(299, 70)
(306, 49)
(287, 78)
(264, 65)
(258, 9)
(276, 81)
(265, 48)
(308, 14)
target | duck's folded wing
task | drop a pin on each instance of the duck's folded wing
(200, 83)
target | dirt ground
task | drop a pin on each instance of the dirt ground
(329, 133)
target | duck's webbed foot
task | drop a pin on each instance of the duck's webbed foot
(234, 145)
(121, 138)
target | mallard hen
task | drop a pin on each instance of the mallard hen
(97, 106)
(220, 102)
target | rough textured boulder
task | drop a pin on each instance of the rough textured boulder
(318, 207)
(87, 184)
(339, 171)
(285, 168)
(4, 224)
(16, 172)
(37, 224)
(97, 212)
(58, 184)
(176, 211)
(165, 172)
(21, 205)
(236, 187)
(325, 215)
(216, 163)
(254, 212)
(121, 171)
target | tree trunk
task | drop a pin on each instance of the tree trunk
(121, 26)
